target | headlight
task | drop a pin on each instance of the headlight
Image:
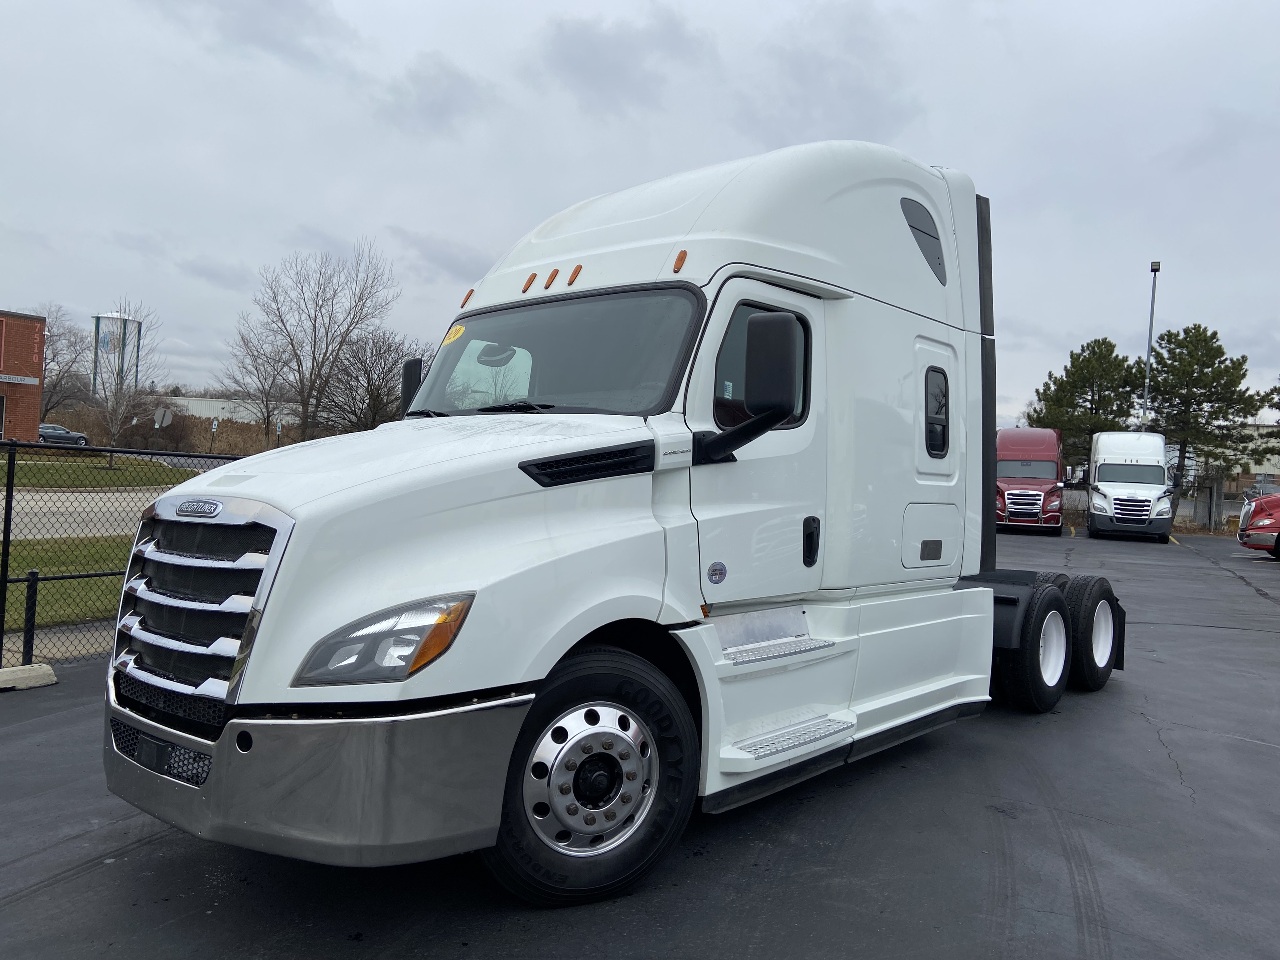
(1265, 523)
(1164, 509)
(1054, 505)
(1099, 505)
(390, 645)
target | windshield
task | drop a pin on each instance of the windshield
(1027, 469)
(619, 353)
(1131, 473)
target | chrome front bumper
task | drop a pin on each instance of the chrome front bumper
(354, 792)
(1258, 539)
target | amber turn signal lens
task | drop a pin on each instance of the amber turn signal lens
(574, 276)
(680, 260)
(439, 636)
(529, 283)
(551, 278)
(466, 298)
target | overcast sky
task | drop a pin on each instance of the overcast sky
(167, 150)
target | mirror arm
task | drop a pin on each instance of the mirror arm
(712, 447)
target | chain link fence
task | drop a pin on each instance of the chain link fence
(70, 516)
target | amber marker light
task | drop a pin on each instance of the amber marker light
(529, 283)
(439, 636)
(680, 260)
(551, 278)
(574, 276)
(466, 298)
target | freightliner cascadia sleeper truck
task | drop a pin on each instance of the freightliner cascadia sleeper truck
(696, 500)
(1130, 488)
(1030, 478)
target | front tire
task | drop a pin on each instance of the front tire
(82, 442)
(1037, 671)
(1092, 603)
(602, 781)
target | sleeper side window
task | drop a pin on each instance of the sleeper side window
(937, 413)
(730, 407)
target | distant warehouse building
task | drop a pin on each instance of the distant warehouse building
(21, 374)
(212, 407)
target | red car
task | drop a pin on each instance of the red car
(1259, 522)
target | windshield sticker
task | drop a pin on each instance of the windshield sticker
(454, 333)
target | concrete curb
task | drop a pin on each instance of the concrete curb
(23, 678)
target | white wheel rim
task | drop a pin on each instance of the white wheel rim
(1103, 633)
(1053, 648)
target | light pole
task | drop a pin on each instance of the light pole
(1151, 323)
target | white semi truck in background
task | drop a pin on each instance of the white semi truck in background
(1130, 488)
(696, 500)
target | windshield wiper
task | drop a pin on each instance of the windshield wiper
(426, 413)
(516, 406)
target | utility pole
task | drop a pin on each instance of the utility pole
(1151, 323)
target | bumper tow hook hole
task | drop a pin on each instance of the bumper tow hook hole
(244, 741)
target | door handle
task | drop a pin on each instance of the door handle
(811, 540)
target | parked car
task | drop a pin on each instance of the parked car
(53, 433)
(1259, 521)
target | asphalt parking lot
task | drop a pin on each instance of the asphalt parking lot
(1141, 821)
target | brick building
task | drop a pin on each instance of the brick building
(21, 374)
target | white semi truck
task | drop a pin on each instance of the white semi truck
(696, 500)
(1130, 488)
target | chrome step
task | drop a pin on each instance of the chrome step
(794, 737)
(747, 653)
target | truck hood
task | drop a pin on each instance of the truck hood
(417, 451)
(1139, 491)
(1025, 483)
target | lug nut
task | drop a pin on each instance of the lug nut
(631, 774)
(566, 789)
(607, 745)
(571, 809)
(589, 819)
(625, 755)
(626, 798)
(587, 748)
(610, 815)
(571, 764)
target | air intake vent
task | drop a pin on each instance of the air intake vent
(617, 461)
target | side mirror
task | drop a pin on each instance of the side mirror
(1175, 478)
(1084, 478)
(770, 390)
(410, 381)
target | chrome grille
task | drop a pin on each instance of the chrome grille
(189, 603)
(1023, 503)
(1131, 510)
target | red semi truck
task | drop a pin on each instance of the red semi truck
(1029, 478)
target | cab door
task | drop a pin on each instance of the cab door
(759, 517)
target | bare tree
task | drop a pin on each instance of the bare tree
(67, 351)
(310, 307)
(128, 361)
(365, 388)
(255, 372)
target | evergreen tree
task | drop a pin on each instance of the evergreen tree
(1199, 400)
(1096, 391)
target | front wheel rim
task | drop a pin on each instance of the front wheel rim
(1103, 633)
(591, 779)
(1053, 648)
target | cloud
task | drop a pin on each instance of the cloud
(26, 237)
(146, 244)
(310, 239)
(306, 33)
(835, 76)
(437, 258)
(235, 277)
(434, 96)
(612, 68)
